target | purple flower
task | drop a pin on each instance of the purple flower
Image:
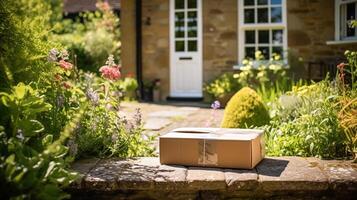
(92, 96)
(60, 101)
(137, 117)
(216, 105)
(52, 55)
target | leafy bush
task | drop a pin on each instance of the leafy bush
(245, 109)
(24, 27)
(221, 87)
(102, 130)
(304, 123)
(346, 79)
(92, 38)
(128, 87)
(268, 77)
(32, 162)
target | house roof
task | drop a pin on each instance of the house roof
(75, 6)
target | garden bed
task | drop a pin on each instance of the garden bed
(273, 178)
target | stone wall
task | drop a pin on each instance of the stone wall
(155, 46)
(310, 25)
(128, 36)
(220, 46)
(278, 178)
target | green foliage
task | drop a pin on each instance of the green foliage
(92, 40)
(32, 161)
(245, 109)
(348, 122)
(268, 77)
(304, 123)
(102, 131)
(24, 29)
(346, 79)
(222, 86)
(128, 87)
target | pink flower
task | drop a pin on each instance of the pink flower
(341, 66)
(67, 85)
(104, 6)
(65, 65)
(58, 77)
(111, 73)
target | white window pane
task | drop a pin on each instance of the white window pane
(275, 2)
(278, 50)
(249, 16)
(192, 24)
(192, 3)
(263, 36)
(262, 2)
(180, 46)
(179, 24)
(179, 4)
(276, 14)
(277, 37)
(263, 15)
(192, 45)
(350, 15)
(248, 2)
(250, 52)
(265, 52)
(250, 37)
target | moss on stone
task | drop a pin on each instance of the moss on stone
(245, 109)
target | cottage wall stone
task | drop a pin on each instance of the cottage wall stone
(220, 46)
(310, 25)
(155, 46)
(128, 36)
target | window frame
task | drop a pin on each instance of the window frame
(242, 27)
(338, 37)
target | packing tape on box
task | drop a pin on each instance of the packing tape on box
(207, 155)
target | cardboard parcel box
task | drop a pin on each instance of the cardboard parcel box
(212, 147)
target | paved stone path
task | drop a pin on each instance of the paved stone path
(161, 118)
(273, 178)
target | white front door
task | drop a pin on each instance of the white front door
(185, 48)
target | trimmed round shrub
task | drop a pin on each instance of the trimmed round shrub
(245, 109)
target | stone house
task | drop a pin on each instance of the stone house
(186, 43)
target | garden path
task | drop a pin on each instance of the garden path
(159, 118)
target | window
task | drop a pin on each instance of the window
(186, 25)
(345, 12)
(262, 26)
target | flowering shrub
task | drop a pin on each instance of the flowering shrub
(102, 130)
(346, 78)
(317, 120)
(110, 70)
(94, 39)
(269, 78)
(221, 87)
(305, 123)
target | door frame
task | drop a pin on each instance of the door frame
(172, 50)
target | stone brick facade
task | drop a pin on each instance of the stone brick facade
(155, 43)
(220, 46)
(128, 37)
(310, 24)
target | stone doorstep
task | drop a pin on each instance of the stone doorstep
(272, 176)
